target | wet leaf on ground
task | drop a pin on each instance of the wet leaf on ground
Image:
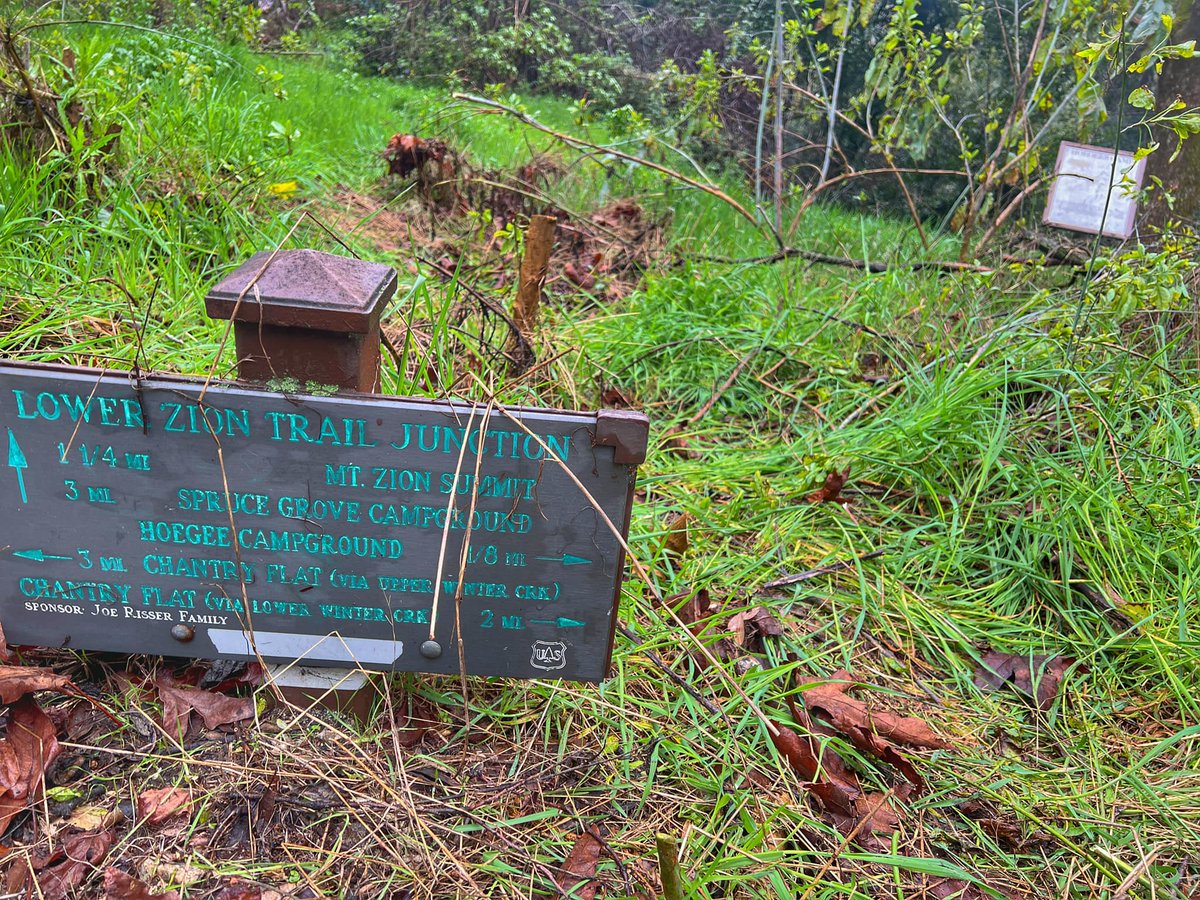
(1022, 670)
(750, 626)
(17, 681)
(27, 750)
(579, 869)
(64, 869)
(156, 805)
(120, 886)
(847, 715)
(831, 490)
(180, 701)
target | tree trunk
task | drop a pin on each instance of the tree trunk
(1181, 178)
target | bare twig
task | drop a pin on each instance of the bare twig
(572, 141)
(829, 569)
(866, 265)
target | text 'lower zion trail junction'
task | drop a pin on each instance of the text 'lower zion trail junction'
(294, 527)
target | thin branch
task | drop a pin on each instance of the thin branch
(572, 141)
(847, 262)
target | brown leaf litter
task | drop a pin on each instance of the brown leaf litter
(156, 805)
(578, 873)
(120, 886)
(831, 490)
(180, 701)
(848, 806)
(27, 750)
(1034, 676)
(58, 873)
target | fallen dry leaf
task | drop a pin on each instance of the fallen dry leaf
(847, 806)
(239, 890)
(88, 818)
(613, 396)
(750, 626)
(181, 874)
(76, 858)
(997, 668)
(871, 730)
(120, 886)
(6, 655)
(868, 816)
(159, 804)
(695, 606)
(215, 709)
(415, 719)
(846, 714)
(26, 751)
(837, 788)
(579, 869)
(249, 674)
(675, 544)
(17, 681)
(676, 444)
(831, 490)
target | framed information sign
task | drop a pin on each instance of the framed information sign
(1094, 190)
(156, 515)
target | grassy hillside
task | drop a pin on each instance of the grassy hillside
(1019, 449)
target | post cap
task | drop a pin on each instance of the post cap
(304, 289)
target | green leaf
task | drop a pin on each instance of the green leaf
(1142, 98)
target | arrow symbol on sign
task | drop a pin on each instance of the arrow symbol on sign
(16, 460)
(560, 622)
(566, 559)
(38, 555)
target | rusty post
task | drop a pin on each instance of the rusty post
(312, 317)
(306, 315)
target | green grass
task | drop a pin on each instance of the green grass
(1002, 457)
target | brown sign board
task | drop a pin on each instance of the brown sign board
(156, 515)
(1091, 194)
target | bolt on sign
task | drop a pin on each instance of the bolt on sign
(1094, 190)
(157, 516)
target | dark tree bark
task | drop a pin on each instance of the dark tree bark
(1180, 78)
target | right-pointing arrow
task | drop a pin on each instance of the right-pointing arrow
(560, 622)
(566, 559)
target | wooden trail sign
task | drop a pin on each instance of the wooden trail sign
(138, 518)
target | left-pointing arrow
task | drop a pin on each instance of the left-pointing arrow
(17, 461)
(38, 555)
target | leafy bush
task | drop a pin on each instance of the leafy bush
(483, 43)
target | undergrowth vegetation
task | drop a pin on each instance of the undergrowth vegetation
(911, 471)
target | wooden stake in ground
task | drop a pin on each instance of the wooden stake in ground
(668, 866)
(539, 241)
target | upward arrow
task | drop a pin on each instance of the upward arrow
(17, 461)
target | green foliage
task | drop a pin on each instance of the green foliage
(483, 43)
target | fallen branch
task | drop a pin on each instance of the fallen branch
(572, 141)
(865, 265)
(820, 570)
